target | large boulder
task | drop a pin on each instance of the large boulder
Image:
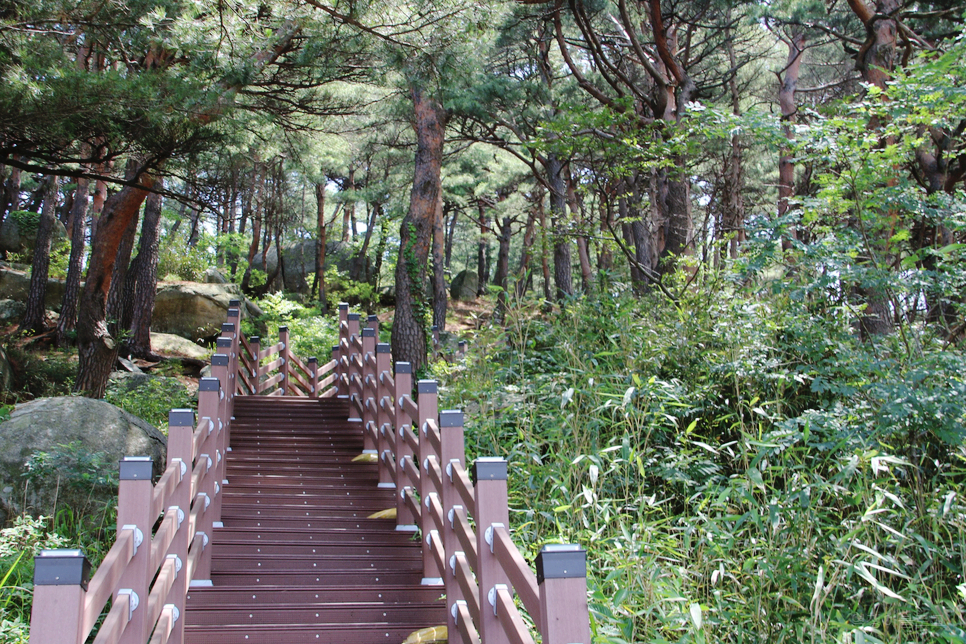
(299, 262)
(15, 285)
(174, 346)
(83, 439)
(11, 311)
(18, 234)
(214, 276)
(193, 310)
(464, 286)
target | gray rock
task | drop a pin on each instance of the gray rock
(300, 260)
(14, 285)
(13, 241)
(464, 286)
(174, 346)
(71, 428)
(11, 311)
(191, 309)
(214, 276)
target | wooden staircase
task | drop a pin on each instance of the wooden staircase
(297, 559)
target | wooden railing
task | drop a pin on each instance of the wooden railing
(420, 451)
(147, 572)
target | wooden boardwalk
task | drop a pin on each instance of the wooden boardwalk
(297, 559)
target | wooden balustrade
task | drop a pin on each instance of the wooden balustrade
(146, 572)
(420, 451)
(421, 455)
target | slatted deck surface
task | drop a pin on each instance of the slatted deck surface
(297, 559)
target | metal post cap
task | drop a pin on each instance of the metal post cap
(207, 384)
(383, 347)
(234, 303)
(354, 317)
(561, 561)
(451, 418)
(62, 568)
(254, 339)
(404, 367)
(489, 468)
(136, 468)
(233, 312)
(283, 329)
(343, 306)
(219, 360)
(373, 318)
(184, 417)
(313, 360)
(368, 332)
(228, 327)
(427, 387)
(223, 343)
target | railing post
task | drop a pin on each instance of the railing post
(462, 349)
(314, 377)
(343, 358)
(369, 430)
(181, 423)
(337, 356)
(219, 370)
(211, 397)
(490, 476)
(209, 393)
(255, 343)
(224, 346)
(233, 333)
(135, 492)
(403, 423)
(451, 450)
(286, 355)
(383, 418)
(562, 580)
(428, 408)
(372, 322)
(60, 586)
(354, 390)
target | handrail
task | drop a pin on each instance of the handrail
(148, 575)
(421, 453)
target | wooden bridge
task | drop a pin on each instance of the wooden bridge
(309, 502)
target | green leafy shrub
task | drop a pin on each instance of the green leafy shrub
(38, 375)
(150, 399)
(740, 467)
(311, 334)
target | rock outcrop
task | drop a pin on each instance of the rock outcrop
(83, 440)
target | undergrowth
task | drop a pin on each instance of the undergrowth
(739, 469)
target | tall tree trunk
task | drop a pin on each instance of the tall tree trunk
(118, 316)
(68, 307)
(501, 277)
(143, 280)
(482, 250)
(258, 213)
(319, 281)
(439, 269)
(349, 210)
(451, 232)
(35, 316)
(562, 265)
(416, 231)
(524, 272)
(545, 256)
(583, 254)
(97, 349)
(875, 61)
(786, 101)
(11, 193)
